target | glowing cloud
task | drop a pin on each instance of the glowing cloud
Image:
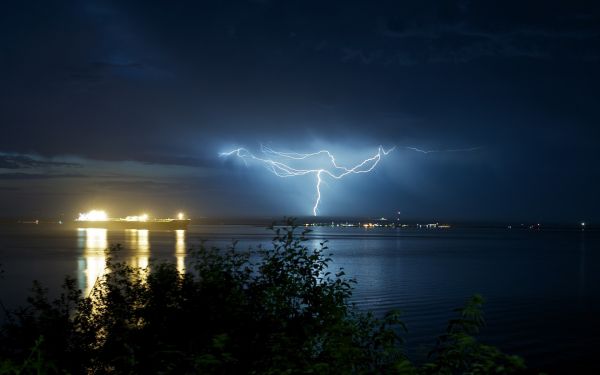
(274, 162)
(415, 149)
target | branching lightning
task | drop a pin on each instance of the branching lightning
(281, 169)
(271, 159)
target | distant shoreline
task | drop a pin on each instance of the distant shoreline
(346, 222)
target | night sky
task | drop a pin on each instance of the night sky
(125, 105)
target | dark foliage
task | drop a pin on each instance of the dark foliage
(276, 311)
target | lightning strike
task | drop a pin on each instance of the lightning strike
(283, 170)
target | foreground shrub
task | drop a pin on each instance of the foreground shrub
(275, 311)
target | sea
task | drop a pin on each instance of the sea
(542, 287)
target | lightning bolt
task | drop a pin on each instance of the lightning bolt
(271, 160)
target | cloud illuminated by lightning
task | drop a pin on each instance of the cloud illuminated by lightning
(271, 160)
(448, 150)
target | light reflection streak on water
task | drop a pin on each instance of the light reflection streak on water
(130, 238)
(94, 258)
(143, 248)
(180, 249)
(95, 242)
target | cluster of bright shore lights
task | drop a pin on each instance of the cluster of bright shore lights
(101, 215)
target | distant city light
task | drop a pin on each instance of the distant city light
(180, 216)
(93, 215)
(583, 224)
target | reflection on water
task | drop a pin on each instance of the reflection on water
(93, 264)
(143, 248)
(130, 238)
(138, 240)
(180, 249)
(528, 277)
(94, 242)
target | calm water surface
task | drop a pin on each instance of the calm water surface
(542, 288)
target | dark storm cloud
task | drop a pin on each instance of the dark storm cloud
(24, 162)
(187, 161)
(38, 176)
(462, 43)
(171, 85)
(457, 32)
(96, 72)
(218, 68)
(139, 185)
